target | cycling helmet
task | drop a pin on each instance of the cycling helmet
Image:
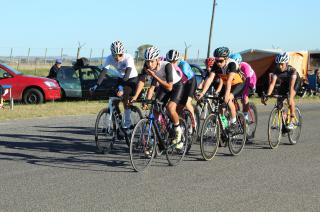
(151, 53)
(209, 61)
(172, 55)
(282, 58)
(237, 57)
(221, 52)
(117, 48)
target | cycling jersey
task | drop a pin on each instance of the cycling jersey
(251, 78)
(121, 66)
(186, 69)
(165, 72)
(230, 67)
(284, 79)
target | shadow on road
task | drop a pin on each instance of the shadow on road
(64, 150)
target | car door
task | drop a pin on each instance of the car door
(109, 84)
(89, 76)
(70, 83)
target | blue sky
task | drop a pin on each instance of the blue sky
(288, 24)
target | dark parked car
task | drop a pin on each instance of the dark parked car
(199, 72)
(75, 82)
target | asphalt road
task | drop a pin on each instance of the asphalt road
(50, 164)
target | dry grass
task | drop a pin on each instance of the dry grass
(51, 109)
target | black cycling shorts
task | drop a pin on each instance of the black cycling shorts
(236, 90)
(129, 87)
(175, 95)
(189, 90)
(1, 90)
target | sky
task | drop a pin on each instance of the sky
(167, 24)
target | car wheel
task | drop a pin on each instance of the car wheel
(33, 96)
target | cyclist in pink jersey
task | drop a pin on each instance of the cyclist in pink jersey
(251, 80)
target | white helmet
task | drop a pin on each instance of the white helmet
(151, 53)
(172, 55)
(282, 58)
(117, 48)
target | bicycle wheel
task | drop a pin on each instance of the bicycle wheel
(209, 137)
(238, 139)
(191, 132)
(294, 135)
(253, 120)
(142, 145)
(274, 128)
(174, 155)
(105, 131)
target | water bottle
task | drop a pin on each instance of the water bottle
(224, 121)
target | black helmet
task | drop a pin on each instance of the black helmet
(221, 52)
(172, 55)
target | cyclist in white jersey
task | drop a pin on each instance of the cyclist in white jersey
(170, 88)
(124, 64)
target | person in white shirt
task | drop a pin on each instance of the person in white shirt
(124, 64)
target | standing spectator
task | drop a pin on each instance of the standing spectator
(1, 98)
(55, 69)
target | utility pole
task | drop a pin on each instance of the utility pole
(79, 48)
(211, 28)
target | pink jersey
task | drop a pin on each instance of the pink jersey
(251, 78)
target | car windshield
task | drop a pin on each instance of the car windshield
(11, 69)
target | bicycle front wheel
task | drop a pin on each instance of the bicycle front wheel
(175, 155)
(191, 131)
(274, 128)
(294, 134)
(142, 145)
(135, 117)
(209, 137)
(105, 131)
(238, 139)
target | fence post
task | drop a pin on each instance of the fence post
(28, 55)
(11, 55)
(45, 56)
(90, 55)
(102, 56)
(61, 53)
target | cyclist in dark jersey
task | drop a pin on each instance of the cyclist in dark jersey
(288, 80)
(170, 88)
(228, 71)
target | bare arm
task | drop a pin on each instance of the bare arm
(101, 76)
(150, 92)
(207, 83)
(219, 86)
(138, 90)
(272, 85)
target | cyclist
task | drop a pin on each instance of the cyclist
(250, 83)
(233, 82)
(124, 64)
(188, 79)
(288, 80)
(170, 88)
(208, 63)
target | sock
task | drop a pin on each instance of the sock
(246, 115)
(233, 120)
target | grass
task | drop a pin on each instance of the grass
(51, 109)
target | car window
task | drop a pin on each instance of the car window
(68, 74)
(196, 70)
(4, 74)
(88, 74)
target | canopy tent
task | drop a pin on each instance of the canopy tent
(262, 61)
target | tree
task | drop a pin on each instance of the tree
(140, 51)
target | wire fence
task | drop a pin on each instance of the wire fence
(36, 59)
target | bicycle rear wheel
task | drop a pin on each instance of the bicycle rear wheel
(294, 135)
(191, 131)
(238, 139)
(105, 131)
(253, 120)
(274, 128)
(173, 154)
(142, 145)
(209, 137)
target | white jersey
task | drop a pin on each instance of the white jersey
(121, 66)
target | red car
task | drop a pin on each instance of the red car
(29, 89)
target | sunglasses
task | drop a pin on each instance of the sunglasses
(118, 55)
(219, 61)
